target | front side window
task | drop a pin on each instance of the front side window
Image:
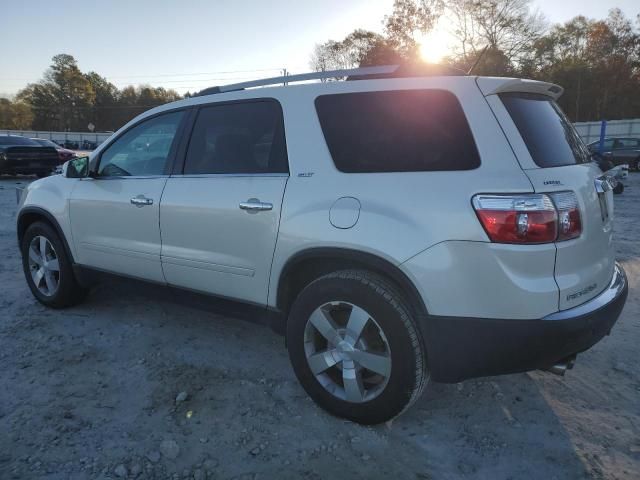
(143, 150)
(242, 138)
(397, 131)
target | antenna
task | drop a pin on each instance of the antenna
(475, 64)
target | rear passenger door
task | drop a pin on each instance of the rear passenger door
(219, 215)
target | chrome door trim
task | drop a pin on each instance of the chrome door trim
(232, 175)
(126, 177)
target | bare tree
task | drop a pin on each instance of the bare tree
(408, 19)
(507, 26)
(351, 52)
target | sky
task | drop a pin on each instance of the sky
(193, 44)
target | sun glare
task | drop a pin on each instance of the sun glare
(435, 45)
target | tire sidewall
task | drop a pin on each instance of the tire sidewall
(67, 279)
(388, 313)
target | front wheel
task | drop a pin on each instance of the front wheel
(47, 268)
(355, 348)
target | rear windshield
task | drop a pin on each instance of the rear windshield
(397, 131)
(551, 139)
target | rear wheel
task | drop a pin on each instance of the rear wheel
(619, 188)
(355, 348)
(47, 268)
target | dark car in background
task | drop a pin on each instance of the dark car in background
(20, 155)
(63, 153)
(620, 151)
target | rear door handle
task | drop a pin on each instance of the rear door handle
(141, 201)
(253, 205)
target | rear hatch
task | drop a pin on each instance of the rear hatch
(555, 159)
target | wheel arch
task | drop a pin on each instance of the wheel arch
(305, 266)
(30, 215)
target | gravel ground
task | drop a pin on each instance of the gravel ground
(96, 392)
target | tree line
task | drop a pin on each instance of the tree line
(596, 61)
(66, 99)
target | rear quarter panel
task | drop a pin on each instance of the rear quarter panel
(401, 214)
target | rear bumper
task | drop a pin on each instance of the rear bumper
(460, 348)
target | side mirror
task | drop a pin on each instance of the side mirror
(76, 168)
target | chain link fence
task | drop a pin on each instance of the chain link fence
(589, 131)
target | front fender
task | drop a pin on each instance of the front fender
(48, 199)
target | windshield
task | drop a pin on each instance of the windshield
(549, 135)
(15, 140)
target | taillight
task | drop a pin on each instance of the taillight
(569, 223)
(529, 218)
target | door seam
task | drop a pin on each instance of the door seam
(166, 180)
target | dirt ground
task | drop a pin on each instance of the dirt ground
(91, 392)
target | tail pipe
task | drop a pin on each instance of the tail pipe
(562, 366)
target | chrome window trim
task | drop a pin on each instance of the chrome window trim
(192, 175)
(125, 177)
(222, 175)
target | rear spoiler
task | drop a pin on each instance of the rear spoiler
(495, 85)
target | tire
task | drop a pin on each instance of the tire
(388, 331)
(619, 188)
(67, 291)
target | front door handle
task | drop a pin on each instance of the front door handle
(141, 201)
(253, 205)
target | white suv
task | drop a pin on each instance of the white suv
(395, 229)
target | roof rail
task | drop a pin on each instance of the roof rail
(302, 77)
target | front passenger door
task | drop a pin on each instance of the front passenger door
(115, 214)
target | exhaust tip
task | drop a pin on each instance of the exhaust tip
(558, 369)
(562, 366)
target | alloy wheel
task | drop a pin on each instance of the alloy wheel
(347, 351)
(44, 265)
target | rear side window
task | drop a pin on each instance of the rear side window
(627, 143)
(243, 137)
(397, 131)
(550, 138)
